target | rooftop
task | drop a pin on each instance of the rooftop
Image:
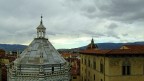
(129, 50)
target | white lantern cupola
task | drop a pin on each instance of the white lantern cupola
(41, 30)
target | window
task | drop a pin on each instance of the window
(89, 63)
(126, 68)
(123, 70)
(94, 77)
(94, 65)
(89, 73)
(82, 60)
(85, 61)
(75, 77)
(101, 66)
(52, 69)
(60, 66)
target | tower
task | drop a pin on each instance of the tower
(92, 45)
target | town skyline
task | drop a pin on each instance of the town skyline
(72, 23)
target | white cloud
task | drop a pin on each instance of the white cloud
(72, 23)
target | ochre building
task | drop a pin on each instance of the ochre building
(124, 64)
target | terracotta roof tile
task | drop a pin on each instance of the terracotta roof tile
(126, 51)
(66, 54)
(95, 51)
(114, 52)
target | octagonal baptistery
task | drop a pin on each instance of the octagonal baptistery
(40, 61)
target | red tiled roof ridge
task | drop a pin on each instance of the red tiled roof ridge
(126, 51)
(114, 51)
(98, 51)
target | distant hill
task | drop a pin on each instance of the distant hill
(102, 46)
(113, 45)
(15, 47)
(12, 47)
(105, 46)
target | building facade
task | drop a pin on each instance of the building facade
(112, 65)
(40, 61)
(5, 59)
(74, 60)
(2, 58)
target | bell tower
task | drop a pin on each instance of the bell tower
(41, 30)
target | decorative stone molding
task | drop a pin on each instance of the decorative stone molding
(114, 62)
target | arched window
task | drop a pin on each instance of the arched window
(126, 68)
(89, 62)
(94, 77)
(101, 66)
(94, 63)
(82, 60)
(85, 62)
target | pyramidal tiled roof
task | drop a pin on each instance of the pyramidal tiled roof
(40, 51)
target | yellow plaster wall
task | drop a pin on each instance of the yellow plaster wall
(87, 73)
(5, 61)
(113, 69)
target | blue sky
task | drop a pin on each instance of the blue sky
(72, 23)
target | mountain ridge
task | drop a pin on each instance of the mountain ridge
(113, 45)
(12, 47)
(19, 47)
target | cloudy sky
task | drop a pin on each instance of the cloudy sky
(72, 23)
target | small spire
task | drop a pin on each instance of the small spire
(92, 41)
(41, 19)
